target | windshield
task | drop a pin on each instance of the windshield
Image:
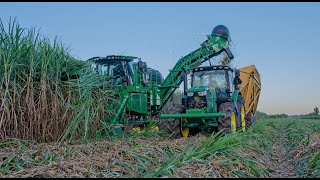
(112, 68)
(130, 68)
(212, 79)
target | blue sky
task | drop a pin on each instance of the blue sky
(280, 39)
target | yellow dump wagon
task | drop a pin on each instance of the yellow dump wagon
(250, 89)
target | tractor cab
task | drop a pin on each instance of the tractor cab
(210, 83)
(118, 68)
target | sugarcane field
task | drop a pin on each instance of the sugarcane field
(159, 90)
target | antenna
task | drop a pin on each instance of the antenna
(123, 52)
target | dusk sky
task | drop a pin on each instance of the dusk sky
(280, 39)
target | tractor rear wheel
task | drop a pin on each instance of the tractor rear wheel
(228, 123)
(174, 125)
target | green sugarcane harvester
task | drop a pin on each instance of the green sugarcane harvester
(144, 92)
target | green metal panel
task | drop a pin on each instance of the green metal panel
(137, 89)
(235, 95)
(155, 97)
(197, 89)
(212, 103)
(138, 103)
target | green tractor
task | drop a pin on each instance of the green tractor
(216, 98)
(212, 101)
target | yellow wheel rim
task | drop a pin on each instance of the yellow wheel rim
(155, 128)
(233, 122)
(243, 122)
(185, 131)
(136, 130)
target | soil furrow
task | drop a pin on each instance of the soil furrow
(282, 164)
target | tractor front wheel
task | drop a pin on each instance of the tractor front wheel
(174, 125)
(228, 123)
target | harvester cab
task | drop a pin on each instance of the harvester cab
(118, 68)
(126, 70)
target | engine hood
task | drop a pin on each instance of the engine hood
(197, 89)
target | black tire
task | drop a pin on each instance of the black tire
(225, 122)
(240, 102)
(250, 119)
(174, 125)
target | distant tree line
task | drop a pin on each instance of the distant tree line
(278, 116)
(262, 115)
(312, 115)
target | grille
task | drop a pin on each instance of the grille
(196, 101)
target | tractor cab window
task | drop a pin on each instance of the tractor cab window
(130, 67)
(115, 69)
(109, 67)
(130, 72)
(212, 79)
(189, 80)
(215, 80)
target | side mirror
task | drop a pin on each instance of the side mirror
(237, 81)
(229, 53)
(237, 72)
